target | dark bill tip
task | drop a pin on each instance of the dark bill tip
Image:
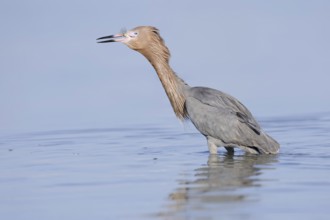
(106, 37)
(106, 41)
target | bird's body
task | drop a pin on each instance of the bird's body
(221, 118)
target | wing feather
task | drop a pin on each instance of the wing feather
(223, 101)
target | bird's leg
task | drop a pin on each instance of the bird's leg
(213, 148)
(230, 150)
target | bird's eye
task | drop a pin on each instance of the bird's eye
(134, 34)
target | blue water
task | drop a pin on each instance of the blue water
(163, 171)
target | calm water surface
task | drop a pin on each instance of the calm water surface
(165, 172)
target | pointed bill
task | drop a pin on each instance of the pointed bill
(112, 38)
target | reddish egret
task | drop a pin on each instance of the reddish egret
(221, 118)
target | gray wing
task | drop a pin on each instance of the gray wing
(226, 104)
(221, 116)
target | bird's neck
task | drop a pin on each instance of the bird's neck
(174, 86)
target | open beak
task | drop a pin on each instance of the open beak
(112, 38)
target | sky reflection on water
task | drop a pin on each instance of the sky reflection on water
(165, 172)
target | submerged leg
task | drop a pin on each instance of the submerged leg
(213, 148)
(230, 150)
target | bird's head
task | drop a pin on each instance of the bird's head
(137, 39)
(144, 39)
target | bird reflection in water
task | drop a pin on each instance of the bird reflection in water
(221, 181)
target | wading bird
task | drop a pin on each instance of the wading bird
(221, 118)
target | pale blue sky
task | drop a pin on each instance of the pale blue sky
(272, 55)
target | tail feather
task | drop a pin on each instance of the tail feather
(267, 145)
